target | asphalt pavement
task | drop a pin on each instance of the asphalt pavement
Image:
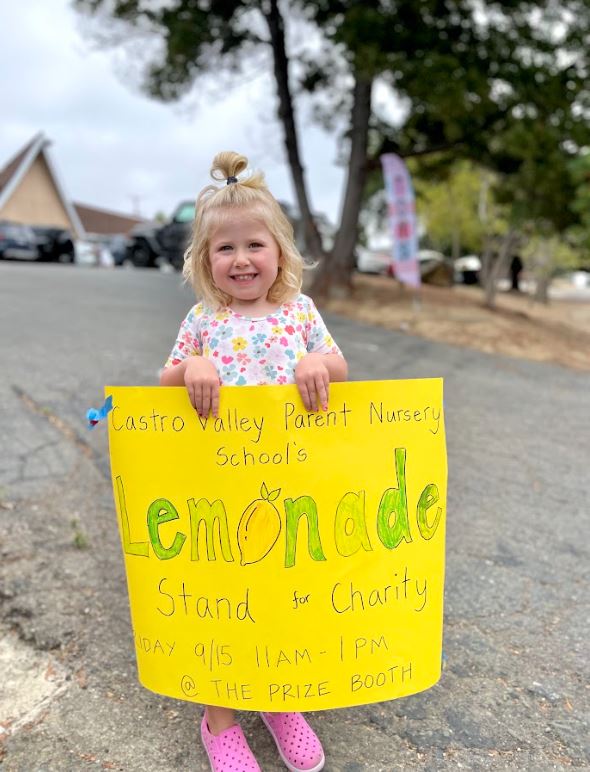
(514, 691)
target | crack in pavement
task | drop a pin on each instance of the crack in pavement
(66, 431)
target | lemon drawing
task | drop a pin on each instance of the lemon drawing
(259, 527)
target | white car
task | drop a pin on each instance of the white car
(93, 253)
(373, 260)
(467, 269)
(430, 256)
(380, 260)
(85, 252)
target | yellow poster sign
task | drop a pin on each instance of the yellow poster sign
(278, 559)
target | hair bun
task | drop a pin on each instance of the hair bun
(228, 164)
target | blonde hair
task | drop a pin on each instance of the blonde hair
(216, 205)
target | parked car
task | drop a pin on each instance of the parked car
(153, 244)
(434, 266)
(118, 248)
(580, 279)
(86, 252)
(430, 256)
(467, 269)
(373, 260)
(17, 241)
(54, 244)
(94, 251)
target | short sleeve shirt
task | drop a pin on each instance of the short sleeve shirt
(254, 351)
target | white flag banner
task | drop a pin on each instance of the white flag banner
(401, 207)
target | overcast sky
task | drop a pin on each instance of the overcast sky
(116, 149)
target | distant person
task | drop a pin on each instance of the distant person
(245, 267)
(516, 266)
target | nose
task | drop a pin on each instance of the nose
(241, 258)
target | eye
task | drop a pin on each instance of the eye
(224, 248)
(256, 245)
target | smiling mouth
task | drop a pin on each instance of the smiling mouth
(244, 276)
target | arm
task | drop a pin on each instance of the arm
(174, 375)
(187, 367)
(201, 379)
(337, 366)
(323, 362)
(313, 375)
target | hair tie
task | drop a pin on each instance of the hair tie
(231, 179)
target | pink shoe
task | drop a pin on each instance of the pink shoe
(296, 741)
(228, 751)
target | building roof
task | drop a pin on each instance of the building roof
(103, 222)
(11, 168)
(85, 219)
(15, 170)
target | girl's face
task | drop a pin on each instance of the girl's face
(244, 259)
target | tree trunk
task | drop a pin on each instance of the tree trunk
(286, 114)
(335, 273)
(456, 243)
(455, 229)
(542, 290)
(486, 260)
(543, 269)
(498, 268)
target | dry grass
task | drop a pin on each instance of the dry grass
(559, 332)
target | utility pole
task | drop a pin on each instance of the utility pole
(135, 201)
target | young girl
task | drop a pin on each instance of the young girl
(253, 327)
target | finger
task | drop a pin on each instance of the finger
(191, 395)
(304, 391)
(321, 388)
(206, 405)
(199, 398)
(215, 400)
(313, 397)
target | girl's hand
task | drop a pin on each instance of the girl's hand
(313, 381)
(202, 383)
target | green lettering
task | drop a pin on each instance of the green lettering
(294, 510)
(394, 502)
(129, 547)
(428, 498)
(209, 514)
(162, 511)
(350, 528)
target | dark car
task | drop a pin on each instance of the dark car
(17, 241)
(118, 247)
(153, 244)
(54, 244)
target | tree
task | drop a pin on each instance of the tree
(536, 187)
(545, 253)
(580, 169)
(460, 68)
(451, 210)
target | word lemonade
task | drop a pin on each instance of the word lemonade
(278, 559)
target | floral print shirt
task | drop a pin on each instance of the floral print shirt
(254, 351)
